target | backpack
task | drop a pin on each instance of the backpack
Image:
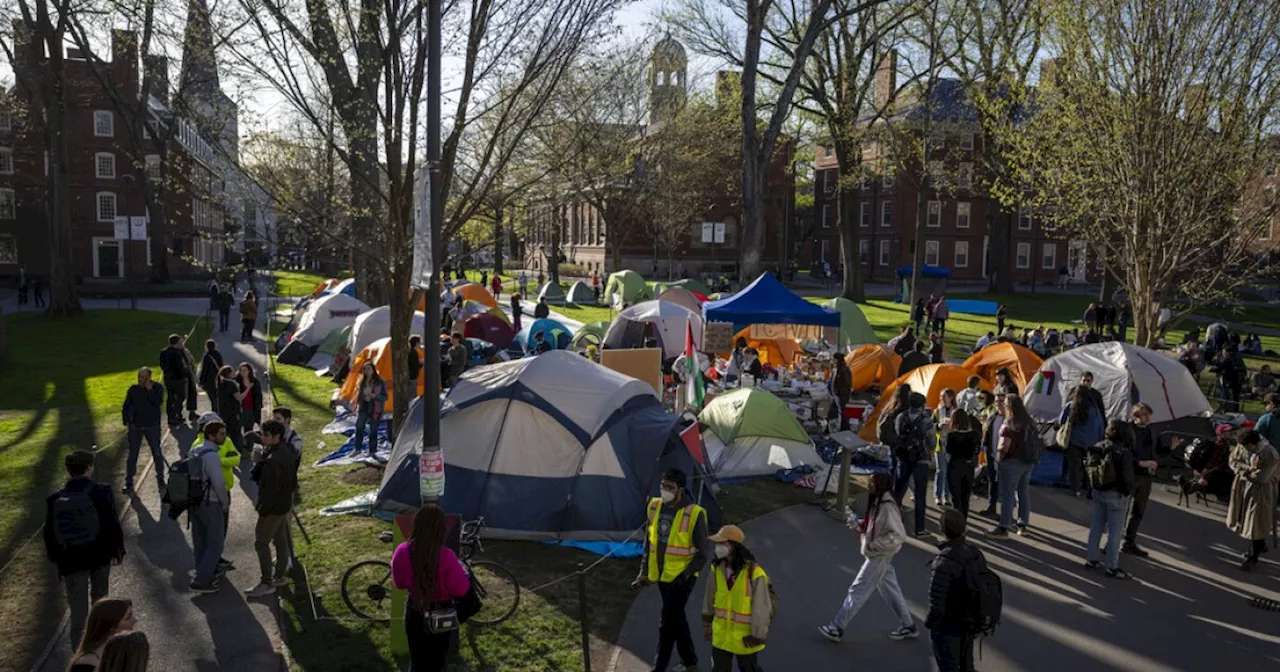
(886, 432)
(1100, 468)
(1032, 445)
(186, 486)
(910, 445)
(986, 596)
(75, 519)
(773, 595)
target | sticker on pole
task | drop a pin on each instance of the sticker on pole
(431, 473)
(424, 262)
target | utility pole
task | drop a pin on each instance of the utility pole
(431, 325)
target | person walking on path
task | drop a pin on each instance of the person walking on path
(208, 520)
(542, 310)
(82, 536)
(918, 316)
(432, 574)
(173, 364)
(1085, 418)
(961, 449)
(1109, 467)
(1252, 510)
(210, 364)
(951, 596)
(275, 472)
(882, 537)
(941, 313)
(674, 553)
(1014, 468)
(517, 311)
(1143, 444)
(225, 301)
(737, 607)
(248, 316)
(916, 436)
(371, 396)
(496, 285)
(141, 416)
(108, 617)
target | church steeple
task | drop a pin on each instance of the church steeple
(668, 66)
(199, 63)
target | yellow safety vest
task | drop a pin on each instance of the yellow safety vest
(680, 549)
(732, 619)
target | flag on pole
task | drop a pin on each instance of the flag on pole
(692, 441)
(694, 386)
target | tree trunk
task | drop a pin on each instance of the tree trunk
(401, 321)
(4, 339)
(749, 265)
(366, 206)
(917, 256)
(62, 296)
(553, 254)
(1108, 287)
(999, 273)
(497, 241)
(849, 208)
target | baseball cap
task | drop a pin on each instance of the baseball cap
(728, 533)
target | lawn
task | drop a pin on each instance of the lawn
(296, 283)
(62, 393)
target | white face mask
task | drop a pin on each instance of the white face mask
(668, 496)
(722, 551)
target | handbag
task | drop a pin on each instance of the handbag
(469, 604)
(442, 620)
(1063, 436)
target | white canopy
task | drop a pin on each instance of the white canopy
(326, 314)
(668, 319)
(374, 324)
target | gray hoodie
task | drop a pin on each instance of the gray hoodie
(217, 490)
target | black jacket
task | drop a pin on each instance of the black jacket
(142, 406)
(963, 445)
(906, 343)
(541, 310)
(256, 403)
(209, 365)
(228, 407)
(912, 361)
(107, 547)
(173, 363)
(948, 592)
(277, 480)
(415, 364)
(1123, 465)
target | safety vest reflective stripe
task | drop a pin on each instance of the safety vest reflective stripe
(679, 550)
(680, 547)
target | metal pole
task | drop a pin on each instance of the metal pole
(431, 325)
(582, 613)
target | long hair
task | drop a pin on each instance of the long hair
(1080, 406)
(901, 401)
(742, 556)
(960, 421)
(880, 484)
(104, 618)
(424, 552)
(1018, 416)
(126, 652)
(253, 378)
(376, 378)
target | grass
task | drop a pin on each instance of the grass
(61, 393)
(297, 283)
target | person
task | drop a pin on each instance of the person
(1126, 318)
(937, 353)
(37, 291)
(225, 301)
(1004, 381)
(248, 316)
(208, 520)
(1063, 274)
(275, 470)
(928, 312)
(484, 278)
(415, 360)
(947, 406)
(191, 396)
(523, 285)
(1087, 422)
(842, 387)
(737, 605)
(22, 286)
(1109, 468)
(109, 616)
(914, 359)
(250, 398)
(1252, 510)
(141, 417)
(210, 364)
(1070, 338)
(457, 359)
(173, 364)
(961, 449)
(517, 310)
(904, 342)
(542, 310)
(83, 537)
(1232, 374)
(992, 417)
(229, 404)
(1014, 467)
(1052, 340)
(968, 397)
(882, 537)
(941, 313)
(371, 397)
(495, 285)
(753, 366)
(916, 436)
(1091, 317)
(918, 315)
(1268, 424)
(213, 294)
(1001, 314)
(434, 576)
(984, 341)
(951, 594)
(674, 552)
(540, 344)
(1264, 382)
(126, 652)
(1035, 341)
(1142, 442)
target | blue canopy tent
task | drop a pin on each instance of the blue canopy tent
(767, 301)
(927, 272)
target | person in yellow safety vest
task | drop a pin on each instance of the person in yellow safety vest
(738, 606)
(673, 556)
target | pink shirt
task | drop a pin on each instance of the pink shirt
(451, 579)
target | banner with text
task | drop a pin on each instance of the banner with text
(800, 332)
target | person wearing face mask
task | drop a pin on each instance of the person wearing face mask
(738, 604)
(1252, 512)
(673, 556)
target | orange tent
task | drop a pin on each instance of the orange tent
(378, 352)
(773, 351)
(872, 366)
(1023, 364)
(472, 291)
(929, 380)
(324, 285)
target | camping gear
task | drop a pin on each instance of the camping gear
(553, 332)
(554, 447)
(628, 286)
(489, 328)
(474, 291)
(552, 293)
(683, 297)
(750, 432)
(872, 366)
(591, 333)
(767, 301)
(323, 355)
(375, 324)
(580, 295)
(1022, 363)
(379, 353)
(668, 320)
(685, 283)
(854, 328)
(481, 351)
(325, 315)
(773, 351)
(929, 380)
(295, 352)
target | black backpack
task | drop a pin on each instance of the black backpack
(186, 486)
(75, 519)
(1100, 467)
(985, 596)
(1032, 444)
(910, 446)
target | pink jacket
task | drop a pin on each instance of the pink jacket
(451, 579)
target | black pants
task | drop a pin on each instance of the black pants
(917, 475)
(1138, 507)
(175, 394)
(246, 330)
(960, 480)
(1256, 547)
(224, 319)
(940, 326)
(953, 651)
(192, 396)
(722, 661)
(1075, 468)
(673, 630)
(427, 652)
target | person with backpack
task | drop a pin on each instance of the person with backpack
(738, 605)
(173, 364)
(207, 502)
(913, 454)
(228, 459)
(275, 471)
(961, 447)
(141, 416)
(674, 553)
(1081, 425)
(882, 538)
(83, 537)
(1018, 453)
(1108, 465)
(210, 364)
(965, 597)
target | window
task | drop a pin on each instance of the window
(6, 161)
(865, 220)
(104, 124)
(931, 252)
(826, 216)
(884, 252)
(104, 165)
(8, 204)
(106, 206)
(6, 121)
(864, 252)
(1024, 220)
(934, 216)
(886, 214)
(8, 249)
(829, 180)
(934, 144)
(1024, 255)
(962, 215)
(886, 180)
(966, 142)
(827, 151)
(964, 178)
(153, 165)
(864, 177)
(962, 254)
(1049, 256)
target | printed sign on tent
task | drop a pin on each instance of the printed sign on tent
(800, 332)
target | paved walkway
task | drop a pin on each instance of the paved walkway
(201, 633)
(1187, 609)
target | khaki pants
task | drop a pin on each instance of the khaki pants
(272, 529)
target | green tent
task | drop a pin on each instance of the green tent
(553, 293)
(687, 283)
(750, 432)
(581, 295)
(854, 328)
(591, 333)
(336, 339)
(629, 286)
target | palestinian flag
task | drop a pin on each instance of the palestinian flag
(694, 386)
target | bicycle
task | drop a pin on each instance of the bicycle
(366, 585)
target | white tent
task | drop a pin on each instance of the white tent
(1124, 374)
(326, 314)
(375, 324)
(683, 297)
(668, 320)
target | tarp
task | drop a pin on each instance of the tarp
(553, 293)
(668, 320)
(580, 294)
(588, 334)
(750, 432)
(378, 352)
(325, 315)
(473, 291)
(684, 283)
(973, 306)
(1023, 364)
(767, 301)
(553, 332)
(872, 366)
(1124, 374)
(375, 324)
(929, 380)
(554, 447)
(344, 425)
(854, 328)
(628, 286)
(489, 328)
(775, 351)
(927, 272)
(683, 297)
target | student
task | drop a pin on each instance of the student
(210, 364)
(1004, 380)
(916, 439)
(126, 652)
(540, 343)
(968, 397)
(1087, 421)
(229, 405)
(737, 607)
(108, 617)
(950, 596)
(173, 364)
(248, 316)
(1109, 468)
(250, 398)
(517, 309)
(947, 406)
(1268, 424)
(208, 520)
(228, 459)
(141, 417)
(674, 553)
(192, 396)
(941, 313)
(415, 360)
(275, 470)
(961, 447)
(1143, 444)
(1014, 468)
(82, 536)
(1001, 314)
(882, 536)
(1264, 382)
(918, 313)
(983, 342)
(542, 310)
(225, 301)
(370, 401)
(458, 359)
(1252, 510)
(432, 574)
(992, 417)
(937, 353)
(915, 359)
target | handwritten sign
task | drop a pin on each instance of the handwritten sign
(717, 337)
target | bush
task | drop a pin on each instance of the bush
(573, 269)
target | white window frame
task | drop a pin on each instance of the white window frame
(98, 159)
(961, 254)
(1025, 221)
(864, 251)
(934, 248)
(104, 124)
(6, 160)
(933, 214)
(1022, 257)
(151, 165)
(97, 206)
(826, 219)
(886, 214)
(964, 208)
(864, 219)
(8, 204)
(886, 180)
(885, 252)
(967, 141)
(964, 176)
(13, 244)
(827, 151)
(1049, 256)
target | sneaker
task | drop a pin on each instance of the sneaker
(1132, 549)
(1020, 530)
(905, 633)
(989, 512)
(261, 590)
(921, 533)
(1092, 564)
(831, 632)
(280, 581)
(938, 501)
(1118, 573)
(226, 565)
(203, 588)
(998, 533)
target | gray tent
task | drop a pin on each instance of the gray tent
(580, 294)
(553, 293)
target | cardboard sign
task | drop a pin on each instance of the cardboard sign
(800, 332)
(717, 337)
(641, 363)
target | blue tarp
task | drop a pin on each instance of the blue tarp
(767, 301)
(972, 306)
(344, 424)
(926, 271)
(611, 549)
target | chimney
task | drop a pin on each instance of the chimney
(124, 61)
(886, 83)
(155, 76)
(1051, 73)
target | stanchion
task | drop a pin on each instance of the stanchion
(582, 612)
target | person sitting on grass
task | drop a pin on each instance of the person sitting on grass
(1264, 382)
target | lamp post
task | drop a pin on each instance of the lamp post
(431, 325)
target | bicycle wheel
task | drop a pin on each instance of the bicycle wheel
(366, 588)
(498, 590)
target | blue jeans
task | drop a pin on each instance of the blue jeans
(1109, 509)
(364, 420)
(941, 488)
(876, 574)
(208, 536)
(136, 434)
(1015, 481)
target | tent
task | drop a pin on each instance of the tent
(668, 319)
(602, 444)
(295, 352)
(325, 315)
(774, 351)
(379, 353)
(580, 294)
(927, 272)
(469, 309)
(686, 283)
(767, 301)
(854, 328)
(323, 355)
(472, 291)
(929, 380)
(591, 333)
(320, 288)
(553, 293)
(1125, 374)
(489, 328)
(872, 366)
(347, 287)
(375, 324)
(683, 297)
(749, 432)
(628, 286)
(1023, 364)
(553, 332)
(482, 352)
